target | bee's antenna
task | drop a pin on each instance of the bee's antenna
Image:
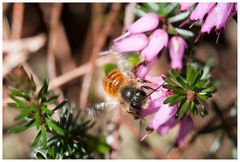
(154, 90)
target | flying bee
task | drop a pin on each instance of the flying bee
(126, 90)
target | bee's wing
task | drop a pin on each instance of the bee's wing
(99, 108)
(123, 64)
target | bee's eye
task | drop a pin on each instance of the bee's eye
(127, 93)
(140, 93)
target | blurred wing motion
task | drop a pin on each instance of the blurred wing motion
(99, 108)
(122, 61)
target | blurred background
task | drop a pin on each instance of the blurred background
(62, 41)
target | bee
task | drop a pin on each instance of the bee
(126, 90)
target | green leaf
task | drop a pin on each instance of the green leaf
(197, 77)
(184, 33)
(44, 90)
(201, 83)
(177, 100)
(202, 97)
(25, 113)
(109, 67)
(183, 83)
(13, 105)
(44, 136)
(46, 110)
(170, 99)
(170, 8)
(152, 6)
(32, 84)
(18, 92)
(53, 99)
(23, 127)
(40, 155)
(176, 89)
(210, 89)
(171, 30)
(37, 118)
(183, 109)
(60, 105)
(179, 17)
(191, 72)
(54, 126)
(35, 142)
(20, 103)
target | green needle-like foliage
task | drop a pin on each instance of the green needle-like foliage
(188, 92)
(66, 138)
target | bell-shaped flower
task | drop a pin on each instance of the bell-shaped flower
(157, 40)
(177, 47)
(185, 6)
(225, 10)
(134, 42)
(217, 17)
(143, 69)
(146, 23)
(201, 10)
(164, 113)
(186, 126)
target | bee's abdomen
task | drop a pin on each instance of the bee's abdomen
(113, 82)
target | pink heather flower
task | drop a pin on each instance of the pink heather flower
(143, 69)
(177, 47)
(157, 40)
(146, 23)
(185, 6)
(201, 10)
(217, 17)
(164, 113)
(134, 42)
(186, 126)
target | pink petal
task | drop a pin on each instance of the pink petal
(164, 129)
(143, 69)
(132, 43)
(224, 10)
(201, 10)
(146, 23)
(185, 6)
(210, 21)
(157, 40)
(163, 115)
(177, 47)
(156, 81)
(186, 126)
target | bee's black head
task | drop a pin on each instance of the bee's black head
(134, 96)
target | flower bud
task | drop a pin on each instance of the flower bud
(201, 10)
(146, 23)
(185, 6)
(134, 42)
(157, 40)
(177, 47)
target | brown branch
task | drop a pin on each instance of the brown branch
(18, 13)
(73, 74)
(96, 50)
(54, 22)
